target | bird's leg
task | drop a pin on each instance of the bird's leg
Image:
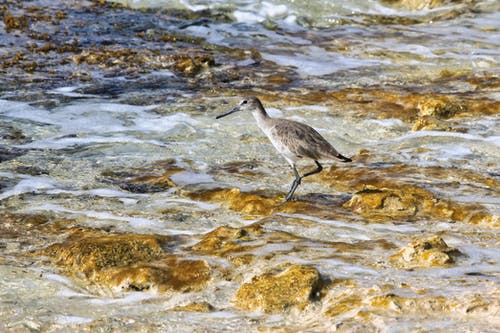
(317, 170)
(298, 179)
(295, 184)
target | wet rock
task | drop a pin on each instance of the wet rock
(15, 225)
(148, 179)
(91, 255)
(9, 153)
(272, 292)
(425, 253)
(385, 193)
(13, 135)
(245, 168)
(170, 273)
(380, 203)
(225, 241)
(429, 123)
(410, 202)
(146, 60)
(192, 66)
(256, 203)
(416, 5)
(356, 178)
(404, 105)
(440, 107)
(343, 305)
(427, 305)
(22, 233)
(195, 307)
(234, 199)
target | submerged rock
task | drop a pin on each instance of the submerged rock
(227, 241)
(440, 107)
(425, 253)
(90, 255)
(387, 193)
(295, 286)
(430, 123)
(148, 179)
(255, 203)
(194, 307)
(411, 202)
(170, 273)
(235, 199)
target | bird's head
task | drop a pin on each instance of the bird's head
(247, 104)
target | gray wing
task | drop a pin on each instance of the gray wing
(303, 140)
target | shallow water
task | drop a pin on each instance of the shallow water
(68, 124)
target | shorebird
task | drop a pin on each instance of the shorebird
(293, 140)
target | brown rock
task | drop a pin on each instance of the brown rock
(344, 305)
(225, 240)
(251, 203)
(90, 255)
(151, 178)
(426, 305)
(381, 203)
(166, 274)
(274, 292)
(416, 5)
(425, 253)
(440, 106)
(382, 195)
(430, 123)
(195, 307)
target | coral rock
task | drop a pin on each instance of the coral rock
(169, 273)
(195, 307)
(276, 292)
(425, 253)
(92, 254)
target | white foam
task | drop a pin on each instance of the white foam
(136, 222)
(188, 177)
(202, 205)
(30, 184)
(71, 320)
(317, 61)
(69, 91)
(99, 122)
(129, 299)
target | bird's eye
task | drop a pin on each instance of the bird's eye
(244, 102)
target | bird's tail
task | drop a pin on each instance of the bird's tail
(342, 158)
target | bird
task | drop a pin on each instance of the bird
(292, 139)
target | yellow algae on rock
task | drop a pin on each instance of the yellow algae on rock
(234, 199)
(92, 254)
(225, 240)
(194, 307)
(410, 202)
(430, 123)
(425, 253)
(439, 106)
(416, 5)
(344, 305)
(274, 292)
(165, 274)
(382, 203)
(250, 203)
(425, 305)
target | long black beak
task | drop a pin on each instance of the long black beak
(233, 110)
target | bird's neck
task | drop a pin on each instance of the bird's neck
(262, 118)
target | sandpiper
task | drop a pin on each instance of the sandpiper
(291, 139)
